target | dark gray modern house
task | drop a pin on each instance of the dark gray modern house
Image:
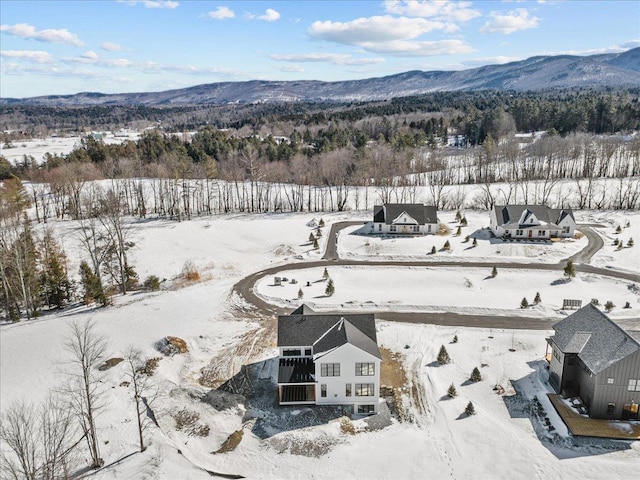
(596, 360)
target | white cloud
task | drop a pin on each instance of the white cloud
(373, 29)
(221, 13)
(111, 47)
(510, 22)
(335, 58)
(90, 55)
(403, 48)
(623, 47)
(291, 69)
(444, 10)
(24, 30)
(158, 68)
(270, 15)
(152, 3)
(34, 56)
(92, 58)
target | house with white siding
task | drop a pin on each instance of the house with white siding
(532, 222)
(330, 359)
(403, 219)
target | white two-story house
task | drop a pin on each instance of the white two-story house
(532, 221)
(330, 359)
(403, 219)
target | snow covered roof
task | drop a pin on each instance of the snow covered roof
(516, 216)
(597, 340)
(326, 332)
(389, 212)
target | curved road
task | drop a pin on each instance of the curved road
(244, 288)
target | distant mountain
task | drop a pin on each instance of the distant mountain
(535, 73)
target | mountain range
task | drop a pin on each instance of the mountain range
(535, 73)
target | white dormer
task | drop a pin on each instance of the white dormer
(528, 218)
(404, 219)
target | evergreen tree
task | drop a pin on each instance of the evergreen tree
(537, 299)
(300, 293)
(469, 410)
(55, 287)
(433, 250)
(443, 356)
(452, 392)
(475, 242)
(463, 222)
(152, 283)
(630, 242)
(447, 246)
(455, 339)
(616, 242)
(318, 232)
(618, 229)
(321, 223)
(459, 231)
(494, 272)
(458, 216)
(569, 270)
(315, 244)
(608, 306)
(524, 303)
(92, 285)
(325, 274)
(330, 290)
(311, 237)
(475, 375)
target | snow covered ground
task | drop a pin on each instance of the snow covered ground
(501, 441)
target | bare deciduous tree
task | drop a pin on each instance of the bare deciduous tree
(139, 380)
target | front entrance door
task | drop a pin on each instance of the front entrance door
(530, 233)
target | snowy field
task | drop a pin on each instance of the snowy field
(464, 290)
(501, 441)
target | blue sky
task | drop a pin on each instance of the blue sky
(63, 47)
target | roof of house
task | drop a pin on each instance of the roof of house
(597, 340)
(388, 212)
(515, 216)
(326, 332)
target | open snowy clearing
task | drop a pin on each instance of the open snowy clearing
(502, 440)
(465, 290)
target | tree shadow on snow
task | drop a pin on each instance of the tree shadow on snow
(520, 405)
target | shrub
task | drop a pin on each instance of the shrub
(152, 283)
(609, 306)
(189, 422)
(447, 246)
(469, 410)
(627, 305)
(466, 239)
(330, 290)
(524, 303)
(443, 356)
(346, 426)
(475, 375)
(190, 272)
(452, 392)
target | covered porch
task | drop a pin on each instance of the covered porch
(296, 381)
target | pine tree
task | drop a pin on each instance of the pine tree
(311, 237)
(318, 232)
(433, 250)
(475, 375)
(475, 242)
(455, 339)
(300, 294)
(569, 270)
(524, 303)
(618, 229)
(469, 410)
(537, 299)
(92, 285)
(330, 290)
(630, 242)
(452, 392)
(459, 231)
(463, 222)
(325, 274)
(494, 272)
(458, 216)
(443, 356)
(609, 306)
(616, 242)
(447, 246)
(315, 244)
(56, 289)
(321, 223)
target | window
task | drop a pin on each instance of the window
(429, 228)
(611, 408)
(379, 227)
(364, 389)
(323, 390)
(330, 369)
(291, 352)
(556, 353)
(392, 228)
(365, 369)
(565, 229)
(610, 381)
(416, 228)
(347, 390)
(542, 233)
(307, 351)
(366, 408)
(519, 232)
(634, 385)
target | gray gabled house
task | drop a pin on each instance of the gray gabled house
(596, 360)
(404, 218)
(532, 221)
(328, 358)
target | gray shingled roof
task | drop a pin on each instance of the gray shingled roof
(388, 212)
(328, 331)
(597, 340)
(509, 216)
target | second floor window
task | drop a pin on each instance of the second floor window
(365, 369)
(330, 369)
